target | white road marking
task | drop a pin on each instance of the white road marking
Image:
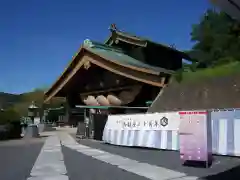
(142, 169)
(49, 164)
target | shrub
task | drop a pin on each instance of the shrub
(202, 74)
(10, 124)
(9, 115)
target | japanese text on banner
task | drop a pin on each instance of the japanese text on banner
(157, 121)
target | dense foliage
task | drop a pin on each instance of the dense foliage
(20, 103)
(216, 38)
(9, 115)
(216, 48)
(10, 126)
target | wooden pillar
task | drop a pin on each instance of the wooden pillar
(70, 104)
(72, 99)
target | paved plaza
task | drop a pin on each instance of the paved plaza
(59, 156)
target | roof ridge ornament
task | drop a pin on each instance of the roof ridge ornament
(88, 43)
(113, 27)
(33, 106)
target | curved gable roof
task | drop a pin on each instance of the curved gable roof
(118, 56)
(141, 41)
(109, 54)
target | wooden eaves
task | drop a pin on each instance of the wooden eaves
(85, 55)
(117, 35)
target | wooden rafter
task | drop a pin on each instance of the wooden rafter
(151, 79)
(139, 74)
(107, 90)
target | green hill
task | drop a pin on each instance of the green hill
(209, 88)
(20, 102)
(7, 99)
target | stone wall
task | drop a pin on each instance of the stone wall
(220, 92)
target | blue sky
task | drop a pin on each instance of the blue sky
(39, 37)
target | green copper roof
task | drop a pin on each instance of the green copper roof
(118, 55)
(147, 40)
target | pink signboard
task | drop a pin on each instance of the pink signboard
(195, 137)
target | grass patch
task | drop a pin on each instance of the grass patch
(220, 71)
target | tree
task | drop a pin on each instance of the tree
(216, 39)
(38, 97)
(9, 115)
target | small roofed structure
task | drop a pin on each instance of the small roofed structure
(147, 51)
(125, 70)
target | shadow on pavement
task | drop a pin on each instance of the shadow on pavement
(231, 174)
(223, 167)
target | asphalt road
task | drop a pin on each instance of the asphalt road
(82, 167)
(17, 158)
(223, 167)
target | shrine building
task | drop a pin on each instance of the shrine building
(125, 70)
